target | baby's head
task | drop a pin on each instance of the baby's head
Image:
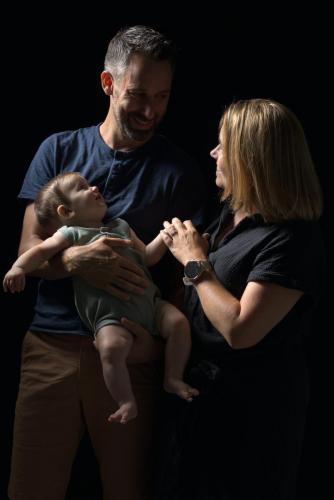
(68, 199)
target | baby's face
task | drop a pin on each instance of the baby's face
(86, 202)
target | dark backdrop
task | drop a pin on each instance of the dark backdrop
(51, 68)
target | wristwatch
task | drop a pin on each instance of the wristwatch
(194, 269)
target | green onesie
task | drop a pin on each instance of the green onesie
(98, 308)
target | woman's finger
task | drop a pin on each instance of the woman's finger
(166, 237)
(170, 229)
(188, 224)
(177, 223)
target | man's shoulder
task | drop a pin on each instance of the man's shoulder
(69, 137)
(172, 153)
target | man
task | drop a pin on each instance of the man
(144, 180)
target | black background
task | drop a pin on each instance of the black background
(51, 62)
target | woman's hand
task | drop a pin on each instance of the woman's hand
(146, 349)
(100, 265)
(184, 241)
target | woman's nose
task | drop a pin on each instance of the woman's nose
(214, 152)
(95, 189)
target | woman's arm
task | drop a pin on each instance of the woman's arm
(243, 323)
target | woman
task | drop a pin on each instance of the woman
(253, 291)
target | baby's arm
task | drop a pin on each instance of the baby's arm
(29, 261)
(153, 251)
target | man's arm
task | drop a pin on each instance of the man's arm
(96, 262)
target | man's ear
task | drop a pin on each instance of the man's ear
(107, 82)
(64, 211)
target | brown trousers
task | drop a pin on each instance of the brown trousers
(61, 391)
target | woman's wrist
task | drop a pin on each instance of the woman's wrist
(194, 256)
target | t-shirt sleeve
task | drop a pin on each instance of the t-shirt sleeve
(290, 261)
(40, 171)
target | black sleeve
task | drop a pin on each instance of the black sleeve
(293, 260)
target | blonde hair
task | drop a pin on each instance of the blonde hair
(269, 169)
(51, 195)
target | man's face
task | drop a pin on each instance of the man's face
(140, 98)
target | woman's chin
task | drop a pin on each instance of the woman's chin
(219, 181)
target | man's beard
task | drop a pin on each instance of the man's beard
(131, 133)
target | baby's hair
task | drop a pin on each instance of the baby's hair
(51, 196)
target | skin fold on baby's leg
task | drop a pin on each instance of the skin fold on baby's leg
(114, 343)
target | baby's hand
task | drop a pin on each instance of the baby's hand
(14, 280)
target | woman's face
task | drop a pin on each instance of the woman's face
(218, 154)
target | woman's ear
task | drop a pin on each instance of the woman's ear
(64, 212)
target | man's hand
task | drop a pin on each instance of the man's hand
(100, 265)
(145, 349)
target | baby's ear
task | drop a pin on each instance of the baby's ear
(64, 211)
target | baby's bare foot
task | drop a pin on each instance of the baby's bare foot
(177, 386)
(126, 412)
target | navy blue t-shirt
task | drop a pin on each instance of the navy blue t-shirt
(145, 186)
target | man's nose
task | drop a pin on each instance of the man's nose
(149, 111)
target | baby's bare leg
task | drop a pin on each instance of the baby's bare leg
(174, 327)
(114, 344)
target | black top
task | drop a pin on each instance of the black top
(290, 254)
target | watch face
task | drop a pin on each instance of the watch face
(192, 269)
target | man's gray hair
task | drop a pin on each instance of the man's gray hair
(137, 40)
